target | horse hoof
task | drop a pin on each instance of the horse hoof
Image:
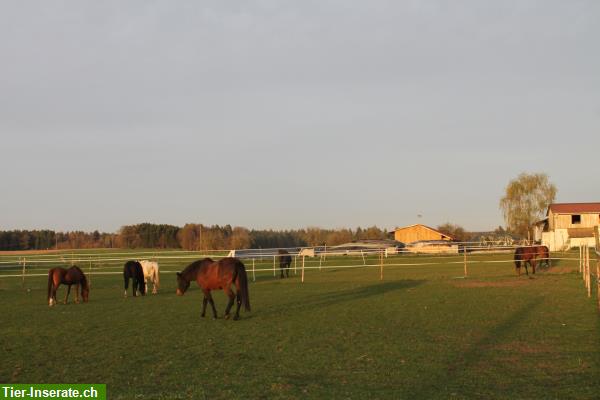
(235, 318)
(226, 316)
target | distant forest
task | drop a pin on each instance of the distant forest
(188, 237)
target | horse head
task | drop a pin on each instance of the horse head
(182, 284)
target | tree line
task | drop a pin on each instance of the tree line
(188, 237)
(525, 201)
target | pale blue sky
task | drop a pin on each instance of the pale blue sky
(287, 114)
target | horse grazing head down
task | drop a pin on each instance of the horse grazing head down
(182, 284)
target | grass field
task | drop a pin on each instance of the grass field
(421, 333)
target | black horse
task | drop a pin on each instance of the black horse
(284, 262)
(134, 270)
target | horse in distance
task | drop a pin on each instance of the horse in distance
(151, 273)
(133, 270)
(69, 277)
(211, 275)
(530, 255)
(285, 260)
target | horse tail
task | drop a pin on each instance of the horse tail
(243, 282)
(157, 276)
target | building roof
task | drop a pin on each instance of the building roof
(424, 226)
(570, 208)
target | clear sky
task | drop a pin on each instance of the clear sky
(287, 114)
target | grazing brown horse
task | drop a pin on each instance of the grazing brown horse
(210, 275)
(71, 276)
(530, 255)
(285, 260)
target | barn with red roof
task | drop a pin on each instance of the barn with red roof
(568, 225)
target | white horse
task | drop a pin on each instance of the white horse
(151, 273)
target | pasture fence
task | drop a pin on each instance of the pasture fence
(586, 271)
(266, 260)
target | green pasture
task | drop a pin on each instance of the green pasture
(423, 332)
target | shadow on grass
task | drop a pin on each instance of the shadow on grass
(343, 296)
(437, 382)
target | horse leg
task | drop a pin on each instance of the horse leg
(287, 270)
(212, 304)
(231, 296)
(238, 305)
(204, 301)
(53, 294)
(126, 285)
(134, 286)
(281, 269)
(67, 295)
(533, 263)
(238, 300)
(518, 267)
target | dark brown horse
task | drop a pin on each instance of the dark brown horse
(71, 276)
(530, 255)
(210, 275)
(285, 260)
(134, 270)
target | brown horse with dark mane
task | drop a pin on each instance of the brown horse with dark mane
(71, 276)
(211, 275)
(530, 255)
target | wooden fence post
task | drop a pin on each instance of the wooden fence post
(580, 259)
(598, 281)
(253, 271)
(303, 269)
(465, 259)
(381, 266)
(589, 271)
(273, 266)
(24, 261)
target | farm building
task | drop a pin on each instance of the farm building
(568, 225)
(417, 233)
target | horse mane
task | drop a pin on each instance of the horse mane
(193, 267)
